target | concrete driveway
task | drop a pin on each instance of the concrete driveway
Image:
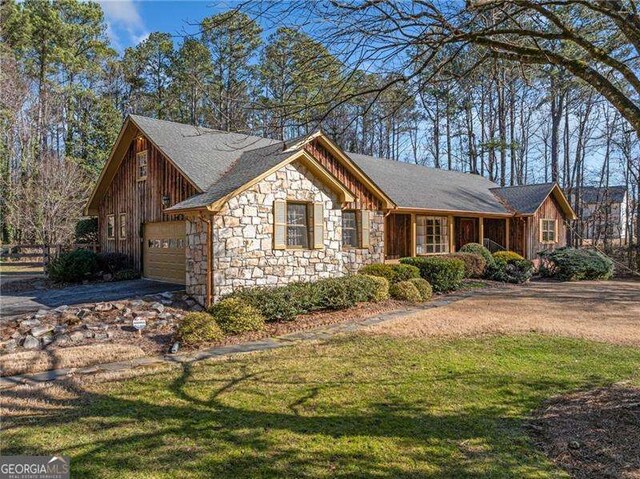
(12, 304)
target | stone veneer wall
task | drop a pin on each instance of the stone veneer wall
(356, 258)
(243, 254)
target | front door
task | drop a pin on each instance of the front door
(398, 236)
(466, 231)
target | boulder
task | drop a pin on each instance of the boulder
(41, 330)
(42, 313)
(61, 309)
(60, 329)
(159, 307)
(8, 346)
(136, 303)
(31, 343)
(103, 307)
(119, 306)
(29, 323)
(167, 295)
(61, 340)
(100, 336)
(76, 336)
(47, 339)
(83, 313)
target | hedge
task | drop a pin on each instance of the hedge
(474, 264)
(507, 255)
(405, 291)
(73, 267)
(444, 274)
(286, 302)
(477, 248)
(196, 328)
(235, 316)
(570, 264)
(423, 287)
(391, 272)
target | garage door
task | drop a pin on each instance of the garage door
(163, 251)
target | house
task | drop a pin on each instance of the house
(218, 211)
(603, 212)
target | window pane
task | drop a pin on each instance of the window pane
(432, 234)
(297, 225)
(349, 229)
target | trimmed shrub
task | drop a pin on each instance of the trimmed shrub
(474, 264)
(571, 264)
(236, 316)
(334, 293)
(73, 267)
(126, 274)
(512, 271)
(391, 272)
(444, 274)
(196, 328)
(275, 304)
(114, 262)
(423, 287)
(366, 288)
(87, 230)
(405, 291)
(507, 256)
(477, 248)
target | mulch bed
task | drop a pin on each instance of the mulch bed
(592, 434)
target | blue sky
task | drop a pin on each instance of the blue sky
(131, 21)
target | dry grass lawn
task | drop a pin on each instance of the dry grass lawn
(25, 362)
(607, 311)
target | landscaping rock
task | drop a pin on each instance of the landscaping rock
(41, 330)
(162, 323)
(31, 343)
(103, 307)
(174, 348)
(29, 323)
(61, 340)
(100, 336)
(128, 313)
(83, 313)
(136, 303)
(46, 340)
(167, 295)
(145, 314)
(165, 316)
(159, 307)
(119, 306)
(76, 336)
(16, 335)
(60, 329)
(42, 313)
(61, 309)
(8, 346)
(69, 318)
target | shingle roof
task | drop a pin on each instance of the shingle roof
(595, 194)
(525, 199)
(204, 155)
(416, 186)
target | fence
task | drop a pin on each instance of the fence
(38, 255)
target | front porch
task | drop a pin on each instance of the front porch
(424, 233)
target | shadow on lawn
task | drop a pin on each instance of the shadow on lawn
(203, 437)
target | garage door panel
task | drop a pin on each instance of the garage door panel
(164, 251)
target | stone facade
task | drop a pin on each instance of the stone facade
(243, 253)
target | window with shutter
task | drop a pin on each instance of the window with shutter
(350, 229)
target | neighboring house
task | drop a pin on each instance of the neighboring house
(219, 211)
(603, 212)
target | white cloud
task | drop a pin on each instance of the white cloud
(123, 18)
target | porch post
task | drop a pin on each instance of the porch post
(481, 230)
(507, 232)
(414, 234)
(452, 240)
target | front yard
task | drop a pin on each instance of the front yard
(355, 406)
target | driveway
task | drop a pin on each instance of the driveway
(607, 311)
(12, 304)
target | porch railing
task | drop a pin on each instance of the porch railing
(492, 245)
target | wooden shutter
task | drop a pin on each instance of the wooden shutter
(279, 224)
(555, 230)
(318, 225)
(365, 227)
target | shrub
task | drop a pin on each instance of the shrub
(114, 262)
(477, 248)
(507, 255)
(512, 271)
(570, 264)
(236, 316)
(334, 293)
(474, 264)
(444, 274)
(126, 274)
(87, 230)
(423, 287)
(73, 267)
(405, 291)
(196, 328)
(275, 304)
(367, 288)
(391, 272)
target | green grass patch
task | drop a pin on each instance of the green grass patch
(358, 406)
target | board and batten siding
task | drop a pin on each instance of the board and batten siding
(140, 200)
(550, 209)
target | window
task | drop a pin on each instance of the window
(141, 159)
(349, 229)
(123, 226)
(111, 226)
(297, 225)
(432, 234)
(548, 231)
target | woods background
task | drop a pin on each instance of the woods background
(517, 91)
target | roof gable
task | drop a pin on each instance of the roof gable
(527, 199)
